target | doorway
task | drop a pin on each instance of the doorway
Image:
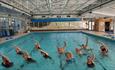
(107, 26)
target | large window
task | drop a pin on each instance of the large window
(60, 25)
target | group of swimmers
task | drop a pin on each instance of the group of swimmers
(69, 55)
(7, 63)
(80, 51)
(61, 50)
(91, 57)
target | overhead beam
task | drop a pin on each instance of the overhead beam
(48, 2)
(81, 5)
(15, 7)
(34, 5)
(65, 6)
(54, 14)
(90, 8)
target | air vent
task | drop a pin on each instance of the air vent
(58, 16)
(68, 16)
(90, 12)
(79, 14)
(43, 16)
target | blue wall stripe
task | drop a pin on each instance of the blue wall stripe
(56, 20)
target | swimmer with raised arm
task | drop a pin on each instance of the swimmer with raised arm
(79, 52)
(90, 61)
(69, 57)
(85, 46)
(61, 50)
(103, 49)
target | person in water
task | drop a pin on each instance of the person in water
(18, 51)
(6, 62)
(37, 46)
(79, 52)
(69, 57)
(27, 57)
(104, 50)
(85, 49)
(90, 61)
(45, 54)
(61, 50)
(83, 46)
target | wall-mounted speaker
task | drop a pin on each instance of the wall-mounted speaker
(68, 16)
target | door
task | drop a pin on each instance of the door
(107, 26)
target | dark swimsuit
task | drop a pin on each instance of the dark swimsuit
(7, 65)
(91, 65)
(38, 47)
(103, 49)
(30, 60)
(46, 56)
(70, 60)
(20, 53)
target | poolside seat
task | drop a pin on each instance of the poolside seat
(113, 37)
(11, 37)
(7, 38)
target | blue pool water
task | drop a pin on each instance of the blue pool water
(49, 42)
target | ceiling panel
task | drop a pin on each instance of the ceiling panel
(58, 6)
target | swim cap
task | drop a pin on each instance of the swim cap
(68, 53)
(77, 49)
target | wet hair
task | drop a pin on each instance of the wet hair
(82, 45)
(88, 57)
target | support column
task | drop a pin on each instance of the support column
(88, 24)
(91, 25)
(10, 26)
(114, 25)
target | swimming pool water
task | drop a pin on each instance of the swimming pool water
(49, 42)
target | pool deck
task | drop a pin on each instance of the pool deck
(96, 33)
(2, 40)
(102, 34)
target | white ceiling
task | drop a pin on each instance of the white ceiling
(103, 11)
(60, 6)
(43, 7)
(109, 11)
(51, 6)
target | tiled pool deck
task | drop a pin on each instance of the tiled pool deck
(4, 39)
(102, 34)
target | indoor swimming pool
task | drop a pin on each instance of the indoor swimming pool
(49, 41)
